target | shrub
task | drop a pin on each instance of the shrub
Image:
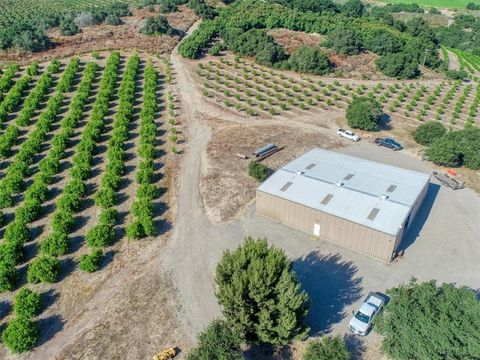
(55, 244)
(68, 26)
(457, 74)
(364, 113)
(44, 269)
(260, 295)
(27, 303)
(91, 262)
(113, 19)
(218, 341)
(309, 60)
(135, 230)
(100, 235)
(328, 348)
(398, 65)
(8, 276)
(345, 41)
(426, 133)
(157, 25)
(21, 334)
(445, 320)
(257, 170)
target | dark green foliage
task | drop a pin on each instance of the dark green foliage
(8, 275)
(353, 8)
(100, 235)
(43, 269)
(345, 41)
(407, 7)
(473, 6)
(11, 252)
(426, 321)
(399, 65)
(457, 74)
(318, 6)
(17, 232)
(427, 133)
(202, 9)
(27, 303)
(68, 26)
(260, 295)
(21, 334)
(328, 348)
(216, 48)
(382, 41)
(309, 60)
(364, 113)
(218, 341)
(113, 19)
(257, 170)
(91, 262)
(55, 244)
(457, 148)
(29, 41)
(157, 25)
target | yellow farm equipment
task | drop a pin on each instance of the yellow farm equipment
(165, 354)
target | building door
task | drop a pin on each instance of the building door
(316, 229)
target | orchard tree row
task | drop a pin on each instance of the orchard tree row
(103, 233)
(143, 223)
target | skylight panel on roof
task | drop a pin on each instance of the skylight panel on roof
(391, 188)
(310, 166)
(326, 199)
(286, 186)
(373, 214)
(348, 177)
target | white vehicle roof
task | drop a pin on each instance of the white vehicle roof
(367, 309)
(375, 300)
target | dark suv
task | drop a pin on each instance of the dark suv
(389, 143)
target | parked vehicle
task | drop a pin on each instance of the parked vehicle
(362, 320)
(449, 181)
(348, 135)
(389, 143)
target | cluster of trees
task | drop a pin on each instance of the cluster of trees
(462, 34)
(30, 36)
(103, 233)
(156, 25)
(354, 30)
(30, 106)
(426, 321)
(18, 170)
(457, 148)
(143, 208)
(22, 332)
(165, 6)
(473, 6)
(202, 9)
(364, 113)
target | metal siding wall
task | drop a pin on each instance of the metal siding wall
(340, 231)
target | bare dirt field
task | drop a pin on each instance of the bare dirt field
(292, 40)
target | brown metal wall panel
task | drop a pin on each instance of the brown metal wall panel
(354, 236)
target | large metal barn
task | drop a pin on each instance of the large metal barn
(359, 204)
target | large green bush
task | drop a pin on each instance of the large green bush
(426, 321)
(309, 60)
(21, 334)
(100, 235)
(346, 41)
(258, 170)
(218, 341)
(44, 268)
(27, 303)
(427, 133)
(328, 348)
(157, 25)
(91, 262)
(364, 113)
(55, 244)
(8, 276)
(398, 65)
(260, 295)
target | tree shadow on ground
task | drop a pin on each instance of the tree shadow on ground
(49, 297)
(265, 351)
(332, 285)
(420, 218)
(49, 327)
(355, 346)
(5, 308)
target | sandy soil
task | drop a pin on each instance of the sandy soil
(225, 185)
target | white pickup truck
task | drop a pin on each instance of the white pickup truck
(348, 135)
(362, 320)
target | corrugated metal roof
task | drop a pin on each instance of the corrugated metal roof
(355, 198)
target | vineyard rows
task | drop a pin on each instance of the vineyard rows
(29, 188)
(251, 90)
